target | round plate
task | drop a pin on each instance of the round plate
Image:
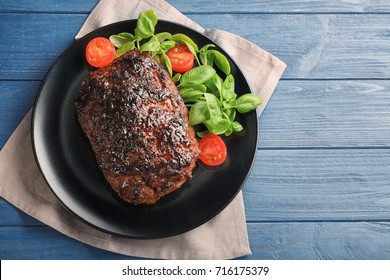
(68, 165)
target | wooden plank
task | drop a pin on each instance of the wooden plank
(12, 216)
(327, 114)
(219, 6)
(283, 6)
(317, 46)
(334, 47)
(320, 240)
(31, 43)
(304, 185)
(319, 185)
(283, 241)
(300, 114)
(42, 242)
(17, 99)
(48, 6)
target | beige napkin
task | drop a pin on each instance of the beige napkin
(223, 237)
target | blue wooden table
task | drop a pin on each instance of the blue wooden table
(320, 186)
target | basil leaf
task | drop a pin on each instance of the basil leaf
(167, 63)
(213, 105)
(227, 90)
(201, 88)
(233, 127)
(197, 76)
(157, 57)
(199, 113)
(229, 131)
(203, 133)
(190, 95)
(217, 125)
(206, 47)
(221, 61)
(125, 48)
(145, 24)
(161, 37)
(166, 45)
(230, 113)
(236, 126)
(247, 102)
(176, 78)
(203, 58)
(214, 85)
(151, 46)
(184, 39)
(204, 55)
(121, 39)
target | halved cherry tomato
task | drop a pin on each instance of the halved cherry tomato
(100, 52)
(213, 150)
(182, 59)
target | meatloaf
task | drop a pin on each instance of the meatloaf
(137, 125)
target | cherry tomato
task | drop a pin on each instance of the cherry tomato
(182, 59)
(100, 52)
(213, 150)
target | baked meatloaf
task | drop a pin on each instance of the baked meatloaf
(138, 128)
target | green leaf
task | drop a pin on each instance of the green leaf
(213, 105)
(151, 46)
(233, 127)
(201, 88)
(227, 91)
(221, 61)
(203, 133)
(247, 102)
(121, 39)
(146, 24)
(158, 58)
(176, 78)
(217, 125)
(230, 113)
(167, 63)
(206, 47)
(161, 37)
(199, 113)
(228, 131)
(214, 85)
(190, 95)
(237, 126)
(203, 58)
(166, 45)
(196, 76)
(184, 39)
(125, 48)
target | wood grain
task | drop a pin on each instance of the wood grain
(297, 241)
(216, 6)
(319, 188)
(319, 185)
(327, 113)
(321, 46)
(32, 42)
(17, 99)
(320, 241)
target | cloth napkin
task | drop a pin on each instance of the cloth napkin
(223, 237)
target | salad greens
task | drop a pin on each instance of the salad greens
(208, 90)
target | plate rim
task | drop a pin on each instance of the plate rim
(49, 184)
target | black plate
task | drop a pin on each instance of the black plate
(67, 162)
